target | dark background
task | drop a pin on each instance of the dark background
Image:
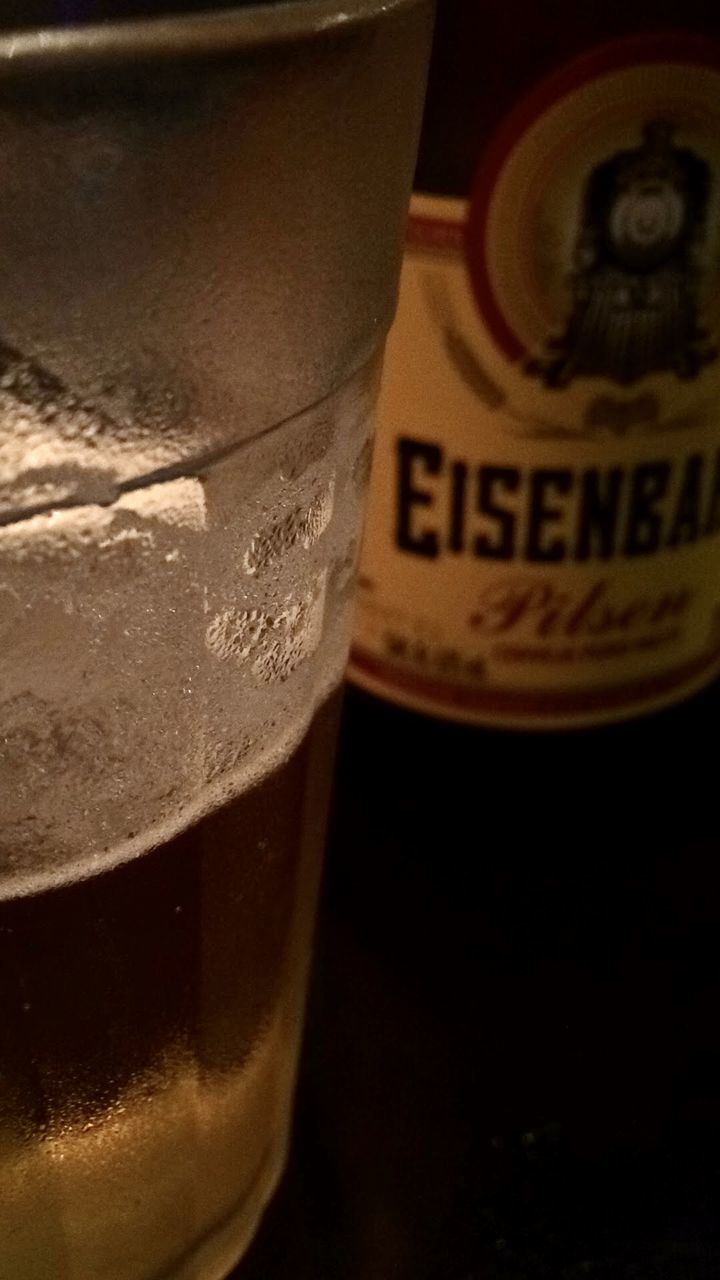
(512, 1065)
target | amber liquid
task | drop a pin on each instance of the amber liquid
(149, 1022)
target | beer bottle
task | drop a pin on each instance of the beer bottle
(524, 871)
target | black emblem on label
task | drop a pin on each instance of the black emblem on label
(637, 270)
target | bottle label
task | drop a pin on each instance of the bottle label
(543, 538)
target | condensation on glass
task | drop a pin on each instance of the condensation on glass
(199, 233)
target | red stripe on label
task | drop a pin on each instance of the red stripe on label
(437, 235)
(537, 704)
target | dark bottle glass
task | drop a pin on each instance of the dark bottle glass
(529, 1041)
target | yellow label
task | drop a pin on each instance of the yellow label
(543, 538)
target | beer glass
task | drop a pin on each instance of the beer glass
(200, 227)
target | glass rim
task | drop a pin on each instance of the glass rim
(201, 34)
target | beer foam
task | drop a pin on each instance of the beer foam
(57, 447)
(273, 644)
(165, 644)
(302, 526)
(177, 504)
(227, 780)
